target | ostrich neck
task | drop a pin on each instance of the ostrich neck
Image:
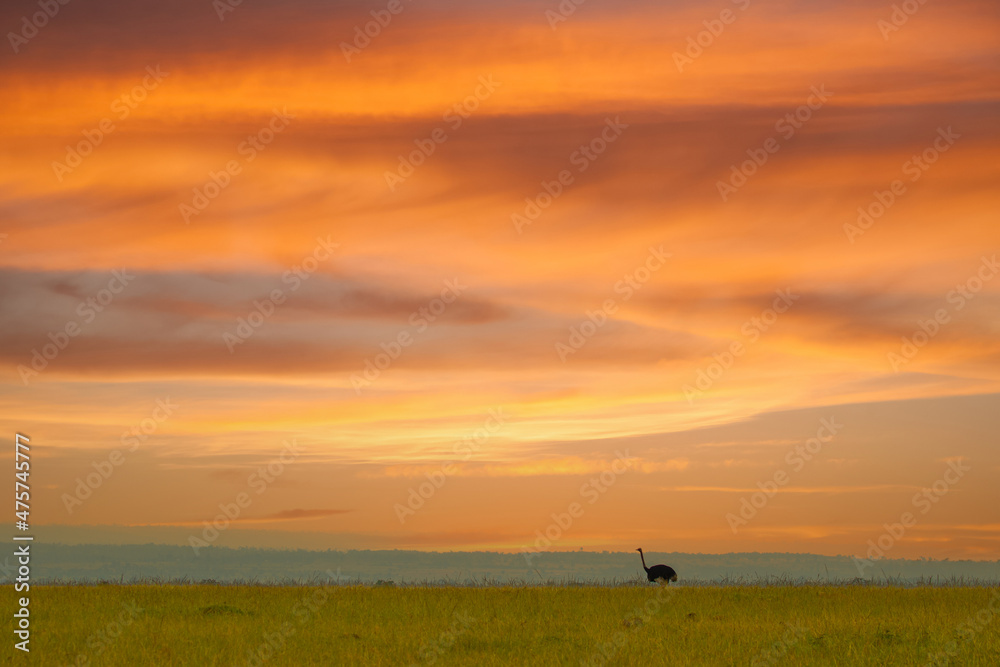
(643, 557)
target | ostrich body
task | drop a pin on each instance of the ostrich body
(657, 572)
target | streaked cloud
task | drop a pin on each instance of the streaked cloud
(324, 177)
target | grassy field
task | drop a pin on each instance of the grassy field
(382, 625)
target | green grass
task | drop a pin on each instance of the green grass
(384, 625)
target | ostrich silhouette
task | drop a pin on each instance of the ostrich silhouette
(657, 572)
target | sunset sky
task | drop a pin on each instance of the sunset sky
(517, 240)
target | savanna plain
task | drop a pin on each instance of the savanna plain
(160, 624)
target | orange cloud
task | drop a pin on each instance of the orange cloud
(83, 197)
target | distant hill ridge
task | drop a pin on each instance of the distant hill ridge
(94, 562)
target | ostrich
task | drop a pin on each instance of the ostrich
(657, 572)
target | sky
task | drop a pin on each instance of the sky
(693, 277)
